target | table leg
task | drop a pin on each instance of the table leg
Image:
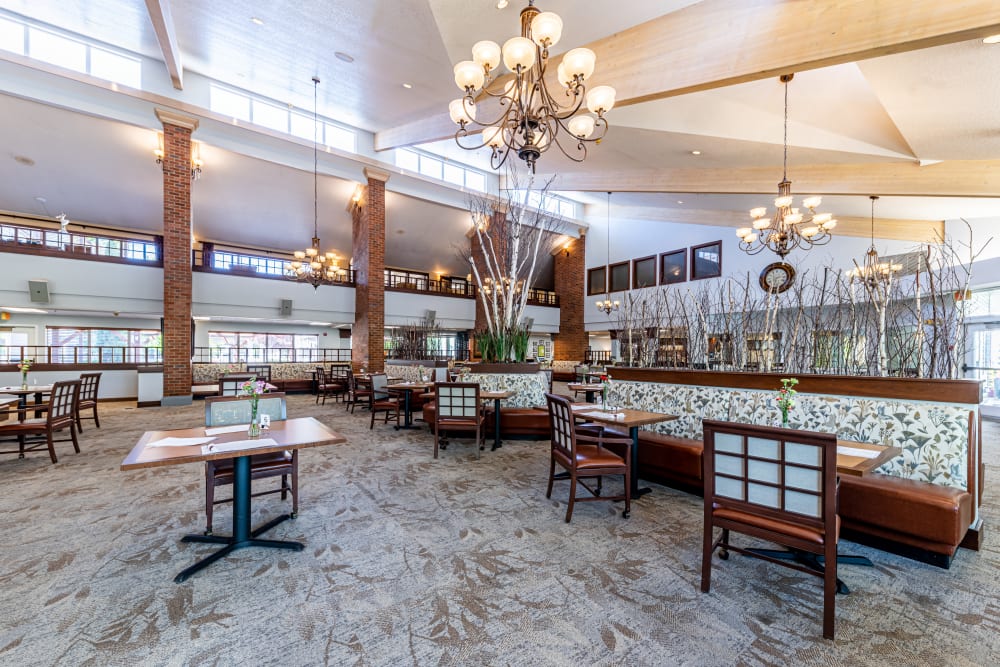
(496, 424)
(636, 491)
(407, 420)
(242, 535)
(590, 396)
(814, 562)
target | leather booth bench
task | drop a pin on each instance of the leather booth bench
(923, 504)
(519, 414)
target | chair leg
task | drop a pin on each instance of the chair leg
(628, 493)
(572, 496)
(52, 447)
(209, 500)
(295, 483)
(706, 559)
(437, 443)
(552, 476)
(97, 422)
(372, 425)
(79, 425)
(284, 487)
(72, 434)
(830, 590)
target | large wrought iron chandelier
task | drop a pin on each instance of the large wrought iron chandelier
(874, 273)
(788, 228)
(532, 117)
(606, 305)
(310, 265)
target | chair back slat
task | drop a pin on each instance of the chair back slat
(62, 401)
(457, 400)
(229, 410)
(89, 383)
(230, 385)
(262, 371)
(563, 434)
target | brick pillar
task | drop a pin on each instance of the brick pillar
(570, 272)
(177, 332)
(368, 227)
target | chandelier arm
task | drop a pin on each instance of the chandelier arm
(582, 149)
(558, 110)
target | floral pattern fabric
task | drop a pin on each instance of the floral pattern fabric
(529, 388)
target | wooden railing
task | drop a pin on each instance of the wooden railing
(51, 242)
(439, 287)
(209, 259)
(76, 354)
(269, 355)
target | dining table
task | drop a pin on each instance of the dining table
(198, 444)
(407, 389)
(590, 390)
(22, 392)
(496, 397)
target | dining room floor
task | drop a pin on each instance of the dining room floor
(454, 561)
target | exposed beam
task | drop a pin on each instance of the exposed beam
(953, 178)
(717, 43)
(163, 25)
(886, 228)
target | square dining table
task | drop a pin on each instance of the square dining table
(496, 397)
(231, 442)
(407, 389)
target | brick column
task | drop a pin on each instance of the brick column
(570, 273)
(177, 332)
(368, 227)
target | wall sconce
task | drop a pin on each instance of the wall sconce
(357, 197)
(196, 162)
(566, 248)
(158, 151)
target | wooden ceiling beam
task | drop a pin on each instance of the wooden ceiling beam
(717, 43)
(163, 26)
(920, 231)
(953, 178)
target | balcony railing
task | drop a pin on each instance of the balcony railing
(443, 287)
(74, 354)
(256, 355)
(209, 259)
(100, 247)
(541, 297)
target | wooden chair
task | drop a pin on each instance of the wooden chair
(329, 385)
(89, 383)
(380, 400)
(60, 414)
(777, 485)
(357, 393)
(261, 371)
(458, 409)
(229, 385)
(231, 410)
(584, 454)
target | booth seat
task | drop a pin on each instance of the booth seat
(286, 376)
(520, 414)
(918, 504)
(564, 371)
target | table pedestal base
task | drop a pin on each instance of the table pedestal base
(814, 562)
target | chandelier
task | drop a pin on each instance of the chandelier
(607, 306)
(788, 228)
(532, 117)
(310, 265)
(874, 273)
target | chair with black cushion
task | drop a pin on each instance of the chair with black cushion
(778, 485)
(60, 414)
(586, 454)
(380, 400)
(232, 410)
(231, 384)
(457, 409)
(261, 371)
(89, 382)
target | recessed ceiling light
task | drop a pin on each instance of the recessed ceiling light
(25, 160)
(992, 39)
(502, 4)
(346, 57)
(679, 201)
(695, 152)
(407, 85)
(256, 21)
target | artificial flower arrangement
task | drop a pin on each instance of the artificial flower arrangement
(786, 398)
(24, 366)
(254, 388)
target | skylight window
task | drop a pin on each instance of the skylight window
(57, 50)
(340, 138)
(11, 36)
(229, 103)
(115, 67)
(269, 116)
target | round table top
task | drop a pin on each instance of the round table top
(30, 389)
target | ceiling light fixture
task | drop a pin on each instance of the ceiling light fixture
(875, 273)
(408, 85)
(256, 20)
(502, 4)
(695, 152)
(532, 116)
(310, 265)
(787, 229)
(992, 39)
(607, 306)
(340, 55)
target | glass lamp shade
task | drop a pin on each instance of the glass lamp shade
(469, 75)
(296, 265)
(493, 137)
(761, 223)
(793, 218)
(486, 54)
(743, 232)
(461, 112)
(518, 52)
(315, 265)
(299, 254)
(546, 29)
(810, 231)
(812, 202)
(829, 224)
(331, 256)
(759, 212)
(312, 252)
(579, 61)
(783, 202)
(750, 238)
(581, 126)
(821, 218)
(601, 99)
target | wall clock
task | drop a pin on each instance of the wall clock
(777, 277)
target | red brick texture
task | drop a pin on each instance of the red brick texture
(570, 271)
(368, 227)
(176, 260)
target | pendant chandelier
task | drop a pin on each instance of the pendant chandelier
(310, 265)
(788, 228)
(875, 273)
(607, 306)
(532, 117)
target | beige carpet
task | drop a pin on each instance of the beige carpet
(454, 562)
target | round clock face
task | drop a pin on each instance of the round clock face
(777, 277)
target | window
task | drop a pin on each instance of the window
(404, 279)
(57, 50)
(340, 138)
(85, 345)
(229, 103)
(115, 67)
(597, 280)
(673, 267)
(261, 347)
(706, 260)
(430, 167)
(644, 272)
(454, 175)
(619, 277)
(407, 160)
(11, 36)
(269, 116)
(302, 127)
(227, 261)
(475, 180)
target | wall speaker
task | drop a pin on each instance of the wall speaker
(38, 291)
(286, 307)
(528, 323)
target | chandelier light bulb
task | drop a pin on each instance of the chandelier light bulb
(315, 265)
(486, 54)
(469, 76)
(581, 126)
(793, 218)
(821, 218)
(829, 224)
(601, 99)
(312, 252)
(750, 238)
(518, 52)
(546, 29)
(579, 62)
(493, 137)
(810, 231)
(461, 112)
(296, 265)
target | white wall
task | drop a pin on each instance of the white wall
(403, 308)
(245, 297)
(114, 384)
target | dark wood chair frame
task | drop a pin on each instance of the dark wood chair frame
(330, 383)
(573, 446)
(356, 394)
(772, 523)
(219, 472)
(60, 413)
(261, 371)
(229, 385)
(380, 400)
(89, 384)
(458, 408)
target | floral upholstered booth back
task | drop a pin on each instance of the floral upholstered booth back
(529, 388)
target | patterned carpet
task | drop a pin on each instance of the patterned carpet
(452, 562)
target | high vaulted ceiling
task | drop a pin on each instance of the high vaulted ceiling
(890, 97)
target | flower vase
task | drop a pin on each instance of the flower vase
(784, 419)
(254, 430)
(24, 380)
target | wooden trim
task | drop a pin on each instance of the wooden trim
(591, 272)
(701, 246)
(917, 389)
(628, 279)
(504, 368)
(77, 367)
(974, 537)
(682, 252)
(42, 251)
(635, 273)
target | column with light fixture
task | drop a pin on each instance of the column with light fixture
(177, 333)
(570, 270)
(368, 231)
